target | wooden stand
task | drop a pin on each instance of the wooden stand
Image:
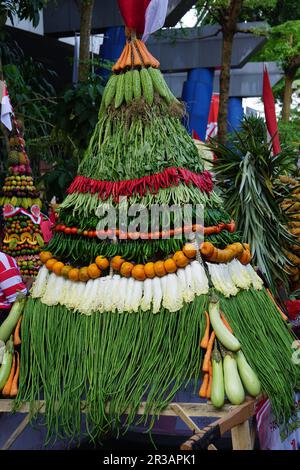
(231, 418)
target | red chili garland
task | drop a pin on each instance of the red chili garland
(152, 183)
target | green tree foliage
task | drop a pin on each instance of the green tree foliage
(283, 46)
(23, 9)
(227, 13)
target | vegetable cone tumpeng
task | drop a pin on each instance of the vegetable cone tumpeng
(114, 322)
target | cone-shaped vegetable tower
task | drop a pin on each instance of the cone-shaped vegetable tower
(114, 322)
(21, 204)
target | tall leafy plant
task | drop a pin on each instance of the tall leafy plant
(248, 173)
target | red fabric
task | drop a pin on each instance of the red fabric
(293, 307)
(133, 12)
(10, 281)
(140, 186)
(195, 135)
(269, 105)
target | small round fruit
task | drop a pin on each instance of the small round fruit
(50, 263)
(57, 268)
(83, 274)
(180, 259)
(102, 263)
(93, 271)
(189, 250)
(170, 266)
(159, 268)
(117, 262)
(138, 272)
(126, 269)
(45, 256)
(65, 271)
(74, 274)
(149, 270)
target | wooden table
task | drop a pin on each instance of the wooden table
(230, 418)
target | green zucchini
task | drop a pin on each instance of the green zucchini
(11, 321)
(222, 333)
(233, 385)
(217, 388)
(248, 376)
(6, 363)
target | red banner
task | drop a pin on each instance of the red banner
(133, 12)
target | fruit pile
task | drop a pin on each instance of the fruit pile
(22, 234)
(291, 207)
(18, 188)
(23, 240)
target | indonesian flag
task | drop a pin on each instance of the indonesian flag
(269, 105)
(6, 109)
(144, 16)
(212, 125)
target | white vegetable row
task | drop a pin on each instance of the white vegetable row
(120, 294)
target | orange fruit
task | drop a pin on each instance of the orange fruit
(170, 266)
(74, 274)
(57, 268)
(189, 250)
(245, 258)
(50, 263)
(180, 259)
(138, 272)
(102, 262)
(126, 269)
(117, 262)
(45, 256)
(159, 268)
(65, 271)
(83, 274)
(149, 270)
(93, 271)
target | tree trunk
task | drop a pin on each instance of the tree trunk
(86, 14)
(224, 85)
(229, 22)
(287, 96)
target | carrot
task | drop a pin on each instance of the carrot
(137, 61)
(205, 366)
(17, 339)
(8, 385)
(204, 341)
(142, 47)
(123, 61)
(207, 249)
(208, 391)
(128, 57)
(143, 52)
(204, 385)
(278, 308)
(226, 323)
(14, 387)
(117, 65)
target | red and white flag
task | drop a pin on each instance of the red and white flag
(6, 108)
(145, 16)
(212, 125)
(155, 17)
(270, 114)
